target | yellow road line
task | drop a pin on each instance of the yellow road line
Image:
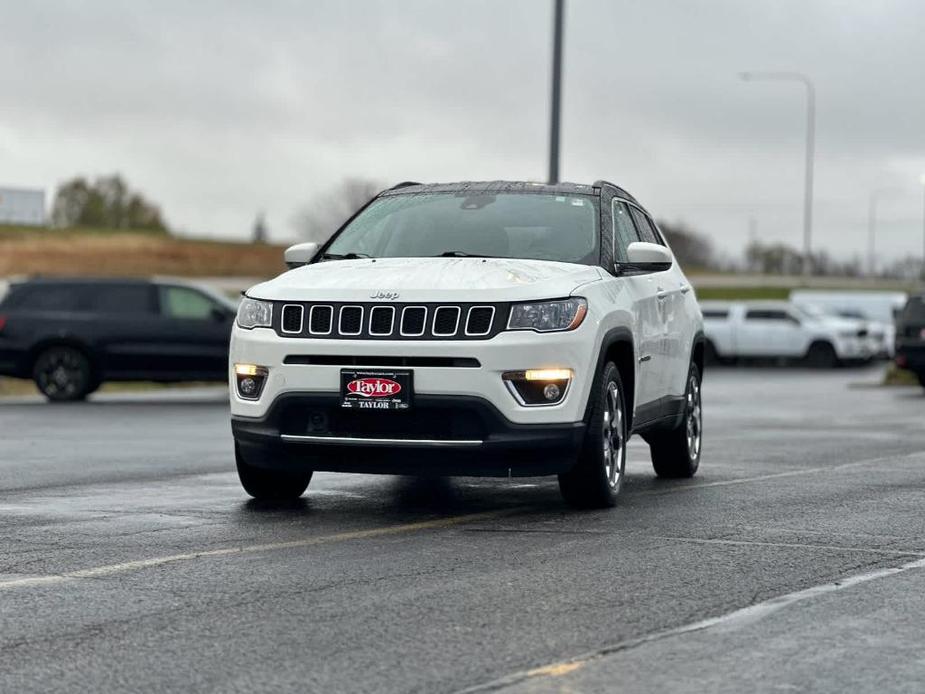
(111, 569)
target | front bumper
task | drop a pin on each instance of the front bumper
(508, 351)
(440, 435)
(855, 348)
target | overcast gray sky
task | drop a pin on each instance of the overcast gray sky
(218, 109)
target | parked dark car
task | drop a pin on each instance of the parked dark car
(71, 335)
(910, 337)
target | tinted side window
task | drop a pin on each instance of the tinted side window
(768, 314)
(51, 297)
(121, 298)
(646, 230)
(624, 233)
(186, 303)
(914, 311)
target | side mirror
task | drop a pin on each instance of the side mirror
(642, 257)
(300, 254)
(219, 316)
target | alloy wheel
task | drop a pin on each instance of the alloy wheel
(694, 417)
(614, 440)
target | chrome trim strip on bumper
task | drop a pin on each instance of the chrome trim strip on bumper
(355, 441)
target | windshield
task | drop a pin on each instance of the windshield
(504, 225)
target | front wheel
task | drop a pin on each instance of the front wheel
(821, 355)
(597, 477)
(63, 374)
(270, 485)
(676, 453)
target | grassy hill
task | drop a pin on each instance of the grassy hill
(29, 250)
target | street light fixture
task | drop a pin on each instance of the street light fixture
(810, 151)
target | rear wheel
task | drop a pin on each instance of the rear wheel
(270, 485)
(597, 477)
(63, 374)
(676, 453)
(821, 355)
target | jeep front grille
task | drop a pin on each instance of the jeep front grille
(388, 321)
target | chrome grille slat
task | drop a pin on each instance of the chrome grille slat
(351, 316)
(439, 318)
(376, 329)
(477, 317)
(325, 317)
(407, 316)
(293, 317)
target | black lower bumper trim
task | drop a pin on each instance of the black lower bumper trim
(441, 435)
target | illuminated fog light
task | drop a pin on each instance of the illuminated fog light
(538, 387)
(248, 369)
(552, 392)
(249, 379)
(548, 374)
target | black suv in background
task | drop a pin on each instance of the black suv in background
(910, 337)
(70, 335)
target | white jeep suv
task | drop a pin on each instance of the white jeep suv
(497, 329)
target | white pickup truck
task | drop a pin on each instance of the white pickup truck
(778, 329)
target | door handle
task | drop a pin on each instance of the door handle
(685, 288)
(661, 294)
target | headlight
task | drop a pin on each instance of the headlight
(548, 316)
(255, 314)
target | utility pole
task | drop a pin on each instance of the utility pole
(873, 201)
(810, 153)
(556, 96)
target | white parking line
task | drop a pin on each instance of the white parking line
(110, 569)
(740, 617)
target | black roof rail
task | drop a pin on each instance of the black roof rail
(405, 184)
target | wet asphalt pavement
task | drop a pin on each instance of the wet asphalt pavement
(130, 559)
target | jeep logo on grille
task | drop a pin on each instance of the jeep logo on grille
(374, 387)
(388, 296)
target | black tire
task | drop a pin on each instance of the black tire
(597, 477)
(63, 373)
(676, 453)
(821, 355)
(921, 376)
(270, 485)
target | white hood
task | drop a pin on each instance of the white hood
(428, 279)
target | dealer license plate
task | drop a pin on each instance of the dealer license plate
(376, 390)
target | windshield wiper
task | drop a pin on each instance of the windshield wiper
(344, 256)
(460, 254)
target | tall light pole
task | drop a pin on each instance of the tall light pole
(872, 228)
(556, 95)
(922, 181)
(810, 152)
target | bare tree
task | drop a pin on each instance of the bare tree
(691, 248)
(328, 210)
